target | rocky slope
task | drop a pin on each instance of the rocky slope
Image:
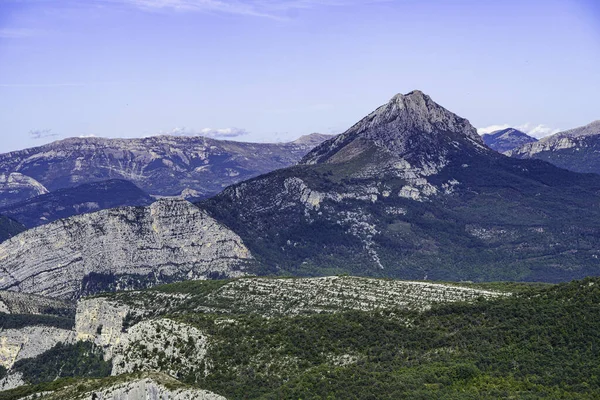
(29, 326)
(82, 199)
(159, 165)
(25, 303)
(576, 149)
(506, 139)
(121, 248)
(411, 191)
(15, 187)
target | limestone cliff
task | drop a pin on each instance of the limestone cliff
(119, 249)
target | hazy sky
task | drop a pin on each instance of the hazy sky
(273, 69)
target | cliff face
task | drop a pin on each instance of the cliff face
(30, 341)
(159, 165)
(121, 248)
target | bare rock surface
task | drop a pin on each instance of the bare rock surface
(119, 249)
(15, 187)
(30, 341)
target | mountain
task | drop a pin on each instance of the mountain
(15, 187)
(576, 149)
(159, 165)
(9, 228)
(121, 248)
(82, 199)
(411, 191)
(337, 337)
(506, 139)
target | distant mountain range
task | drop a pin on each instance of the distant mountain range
(82, 199)
(576, 149)
(410, 191)
(506, 139)
(194, 167)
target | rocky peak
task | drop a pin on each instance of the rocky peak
(409, 126)
(506, 139)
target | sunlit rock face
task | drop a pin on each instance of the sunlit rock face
(121, 248)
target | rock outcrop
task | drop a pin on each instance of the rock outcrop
(140, 387)
(119, 249)
(25, 303)
(29, 342)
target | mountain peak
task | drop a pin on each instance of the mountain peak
(506, 139)
(410, 126)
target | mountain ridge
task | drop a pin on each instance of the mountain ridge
(159, 165)
(575, 149)
(64, 203)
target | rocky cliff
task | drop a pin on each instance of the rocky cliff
(159, 165)
(121, 248)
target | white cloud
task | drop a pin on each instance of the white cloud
(537, 131)
(41, 133)
(492, 128)
(207, 132)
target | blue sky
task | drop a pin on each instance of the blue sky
(272, 70)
